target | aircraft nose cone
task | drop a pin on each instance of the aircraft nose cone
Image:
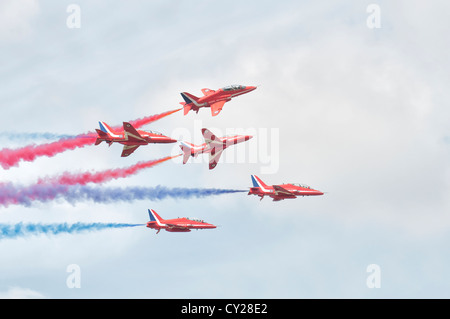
(247, 137)
(170, 140)
(251, 88)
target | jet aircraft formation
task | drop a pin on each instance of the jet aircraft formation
(132, 138)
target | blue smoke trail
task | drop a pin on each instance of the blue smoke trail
(112, 194)
(11, 194)
(21, 230)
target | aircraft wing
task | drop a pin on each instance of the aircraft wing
(175, 226)
(214, 157)
(217, 107)
(207, 92)
(280, 191)
(128, 149)
(211, 139)
(131, 134)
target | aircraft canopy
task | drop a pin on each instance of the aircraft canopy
(301, 185)
(194, 219)
(233, 87)
(154, 132)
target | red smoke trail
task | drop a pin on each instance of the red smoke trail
(99, 177)
(11, 157)
(148, 119)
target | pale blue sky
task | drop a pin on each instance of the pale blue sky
(362, 115)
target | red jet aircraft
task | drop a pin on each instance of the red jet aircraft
(176, 225)
(129, 137)
(280, 192)
(214, 146)
(213, 99)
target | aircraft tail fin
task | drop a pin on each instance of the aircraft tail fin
(107, 129)
(257, 182)
(154, 217)
(190, 102)
(189, 98)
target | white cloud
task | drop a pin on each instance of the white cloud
(21, 293)
(356, 108)
(16, 18)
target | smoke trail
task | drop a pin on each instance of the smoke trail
(18, 195)
(68, 178)
(11, 157)
(148, 119)
(20, 230)
(16, 136)
(128, 194)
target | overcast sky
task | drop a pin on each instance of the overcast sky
(357, 112)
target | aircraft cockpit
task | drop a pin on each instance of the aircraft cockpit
(301, 185)
(154, 132)
(195, 219)
(233, 87)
